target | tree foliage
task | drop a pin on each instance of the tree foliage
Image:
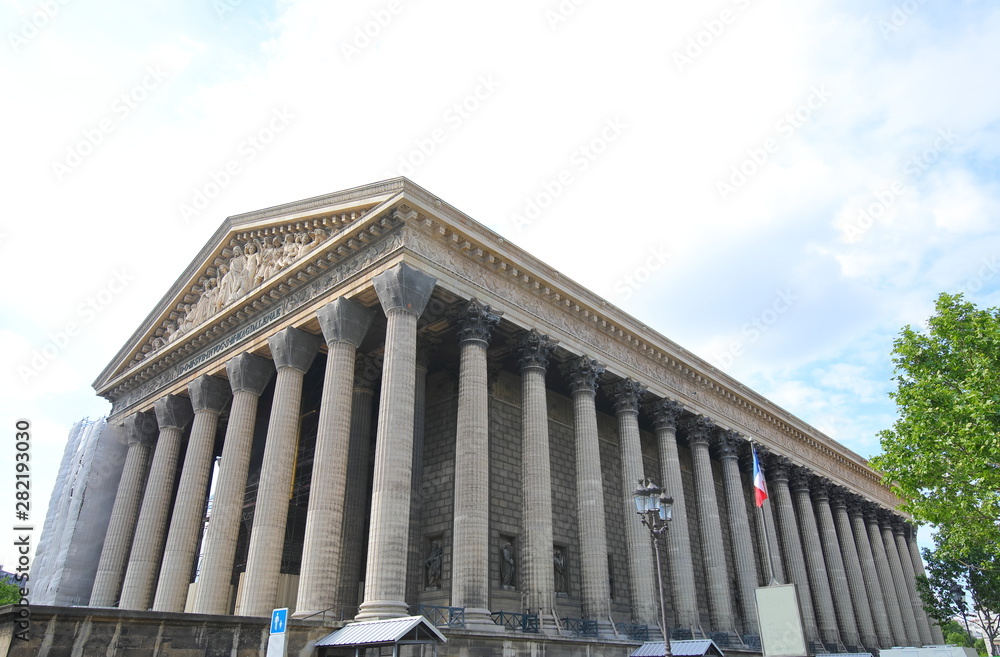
(10, 593)
(963, 585)
(942, 456)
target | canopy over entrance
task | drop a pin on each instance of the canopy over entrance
(410, 636)
(678, 648)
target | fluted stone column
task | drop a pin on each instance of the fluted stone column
(899, 580)
(470, 584)
(937, 637)
(173, 414)
(665, 413)
(835, 566)
(739, 530)
(768, 524)
(141, 429)
(416, 576)
(819, 580)
(248, 376)
(344, 324)
(366, 374)
(700, 431)
(404, 292)
(866, 558)
(293, 351)
(582, 375)
(853, 571)
(626, 396)
(536, 479)
(885, 577)
(791, 543)
(910, 580)
(209, 395)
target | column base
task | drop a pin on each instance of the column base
(382, 609)
(479, 620)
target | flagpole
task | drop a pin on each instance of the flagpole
(767, 546)
(763, 521)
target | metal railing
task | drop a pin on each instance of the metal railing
(681, 634)
(516, 622)
(580, 626)
(752, 641)
(633, 631)
(443, 616)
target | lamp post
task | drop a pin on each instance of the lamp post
(655, 509)
(958, 597)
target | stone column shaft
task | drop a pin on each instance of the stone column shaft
(293, 351)
(248, 375)
(536, 478)
(354, 537)
(678, 540)
(899, 582)
(344, 324)
(769, 532)
(885, 581)
(854, 574)
(403, 292)
(209, 395)
(739, 531)
(582, 375)
(141, 428)
(835, 568)
(470, 584)
(866, 558)
(172, 415)
(791, 543)
(937, 637)
(710, 526)
(416, 573)
(819, 580)
(909, 578)
(626, 395)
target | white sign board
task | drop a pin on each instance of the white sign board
(781, 632)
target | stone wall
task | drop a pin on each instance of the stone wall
(87, 632)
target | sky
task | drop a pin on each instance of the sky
(777, 186)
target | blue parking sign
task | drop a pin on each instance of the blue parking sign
(279, 620)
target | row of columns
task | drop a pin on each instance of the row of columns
(828, 551)
(853, 566)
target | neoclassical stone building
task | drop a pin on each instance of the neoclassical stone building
(410, 413)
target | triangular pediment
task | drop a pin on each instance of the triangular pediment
(248, 264)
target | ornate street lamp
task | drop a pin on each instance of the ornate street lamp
(655, 509)
(958, 597)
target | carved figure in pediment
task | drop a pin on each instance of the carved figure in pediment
(208, 302)
(251, 271)
(186, 321)
(289, 250)
(237, 274)
(271, 258)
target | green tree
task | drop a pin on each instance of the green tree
(942, 456)
(962, 584)
(10, 593)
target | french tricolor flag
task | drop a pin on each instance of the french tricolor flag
(759, 485)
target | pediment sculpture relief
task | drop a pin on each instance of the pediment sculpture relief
(252, 261)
